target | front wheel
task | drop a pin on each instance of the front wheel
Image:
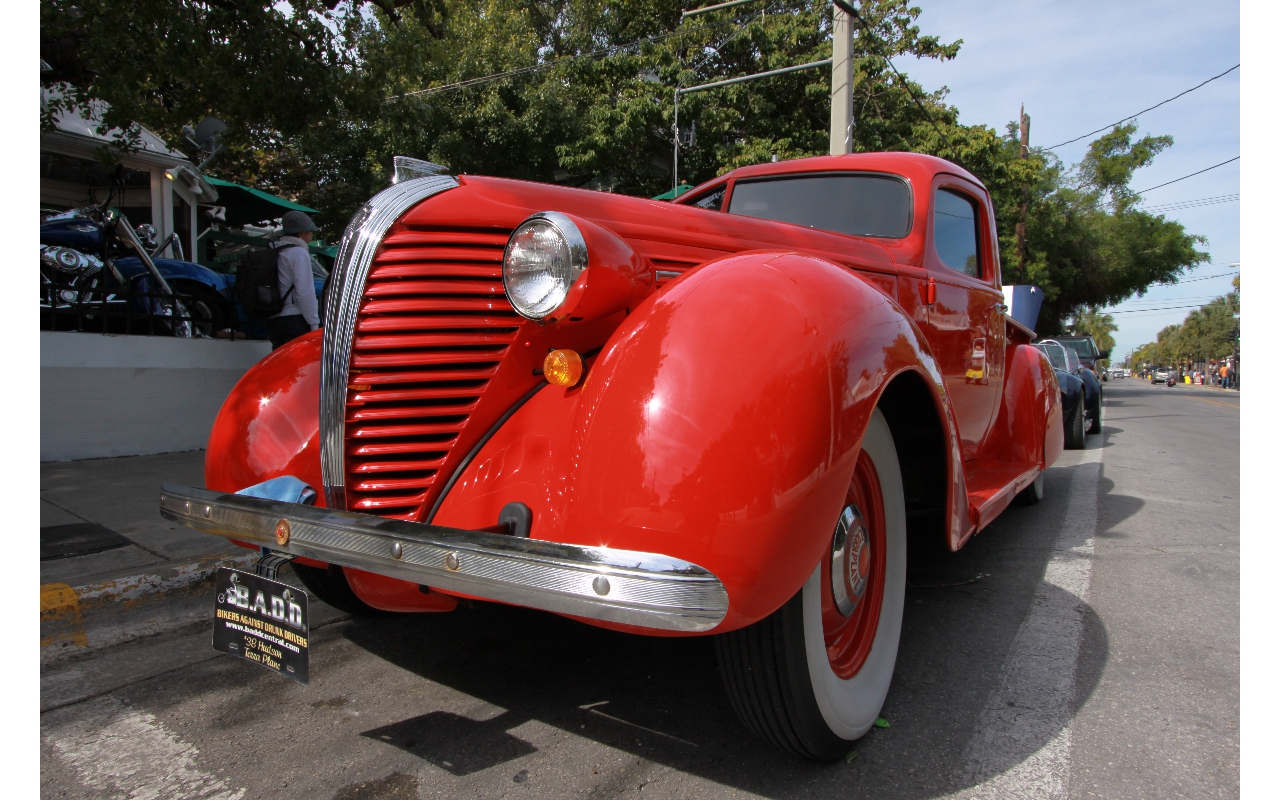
(330, 585)
(1075, 428)
(204, 305)
(812, 677)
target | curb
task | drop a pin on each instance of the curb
(80, 619)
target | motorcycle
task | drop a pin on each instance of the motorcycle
(96, 273)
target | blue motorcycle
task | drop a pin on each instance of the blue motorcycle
(99, 273)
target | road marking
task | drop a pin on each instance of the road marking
(1217, 402)
(592, 708)
(1033, 708)
(127, 752)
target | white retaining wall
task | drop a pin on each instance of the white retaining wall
(104, 395)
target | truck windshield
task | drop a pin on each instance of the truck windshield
(1082, 347)
(860, 205)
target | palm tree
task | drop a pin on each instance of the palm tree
(1092, 322)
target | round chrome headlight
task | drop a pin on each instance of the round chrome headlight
(545, 255)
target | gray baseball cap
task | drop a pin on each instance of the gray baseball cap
(296, 222)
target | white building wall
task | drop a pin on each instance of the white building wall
(104, 395)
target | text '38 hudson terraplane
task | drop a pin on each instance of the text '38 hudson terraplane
(720, 416)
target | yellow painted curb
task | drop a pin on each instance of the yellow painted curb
(60, 603)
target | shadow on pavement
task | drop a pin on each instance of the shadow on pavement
(1115, 509)
(457, 744)
(661, 698)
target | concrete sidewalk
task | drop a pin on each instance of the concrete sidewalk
(122, 494)
(160, 578)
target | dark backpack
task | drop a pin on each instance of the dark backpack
(258, 283)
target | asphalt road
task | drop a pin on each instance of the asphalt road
(1084, 647)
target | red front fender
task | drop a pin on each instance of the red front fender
(269, 425)
(720, 424)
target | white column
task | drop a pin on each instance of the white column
(159, 193)
(190, 246)
(161, 203)
(841, 84)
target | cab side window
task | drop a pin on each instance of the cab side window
(955, 232)
(712, 200)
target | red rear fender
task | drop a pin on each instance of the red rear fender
(720, 424)
(1030, 411)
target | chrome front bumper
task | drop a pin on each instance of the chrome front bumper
(647, 590)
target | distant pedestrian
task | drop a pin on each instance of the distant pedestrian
(1222, 375)
(301, 312)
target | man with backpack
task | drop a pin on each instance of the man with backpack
(275, 283)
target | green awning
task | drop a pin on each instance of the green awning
(674, 193)
(246, 205)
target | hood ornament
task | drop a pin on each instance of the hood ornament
(407, 168)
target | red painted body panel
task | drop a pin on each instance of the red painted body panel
(679, 440)
(270, 423)
(389, 594)
(721, 419)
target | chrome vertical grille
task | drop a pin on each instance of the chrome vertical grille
(346, 291)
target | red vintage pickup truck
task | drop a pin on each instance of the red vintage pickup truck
(720, 416)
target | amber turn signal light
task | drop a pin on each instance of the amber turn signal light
(359, 387)
(562, 367)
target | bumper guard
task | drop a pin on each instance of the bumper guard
(647, 590)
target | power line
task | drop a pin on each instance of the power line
(1192, 175)
(1143, 111)
(826, 62)
(1167, 308)
(1181, 204)
(1153, 304)
(1207, 278)
(695, 11)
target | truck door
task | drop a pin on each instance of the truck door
(965, 321)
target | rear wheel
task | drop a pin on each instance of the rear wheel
(1095, 418)
(1075, 428)
(330, 585)
(811, 677)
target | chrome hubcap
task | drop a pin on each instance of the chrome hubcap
(850, 560)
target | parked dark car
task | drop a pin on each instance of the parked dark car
(1087, 351)
(1081, 394)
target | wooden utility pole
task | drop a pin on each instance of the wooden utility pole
(841, 83)
(1024, 130)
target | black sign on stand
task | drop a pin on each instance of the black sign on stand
(262, 620)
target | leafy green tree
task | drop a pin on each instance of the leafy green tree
(1088, 245)
(320, 94)
(1206, 334)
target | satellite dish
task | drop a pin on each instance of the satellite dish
(207, 135)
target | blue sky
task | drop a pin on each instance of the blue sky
(1081, 65)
